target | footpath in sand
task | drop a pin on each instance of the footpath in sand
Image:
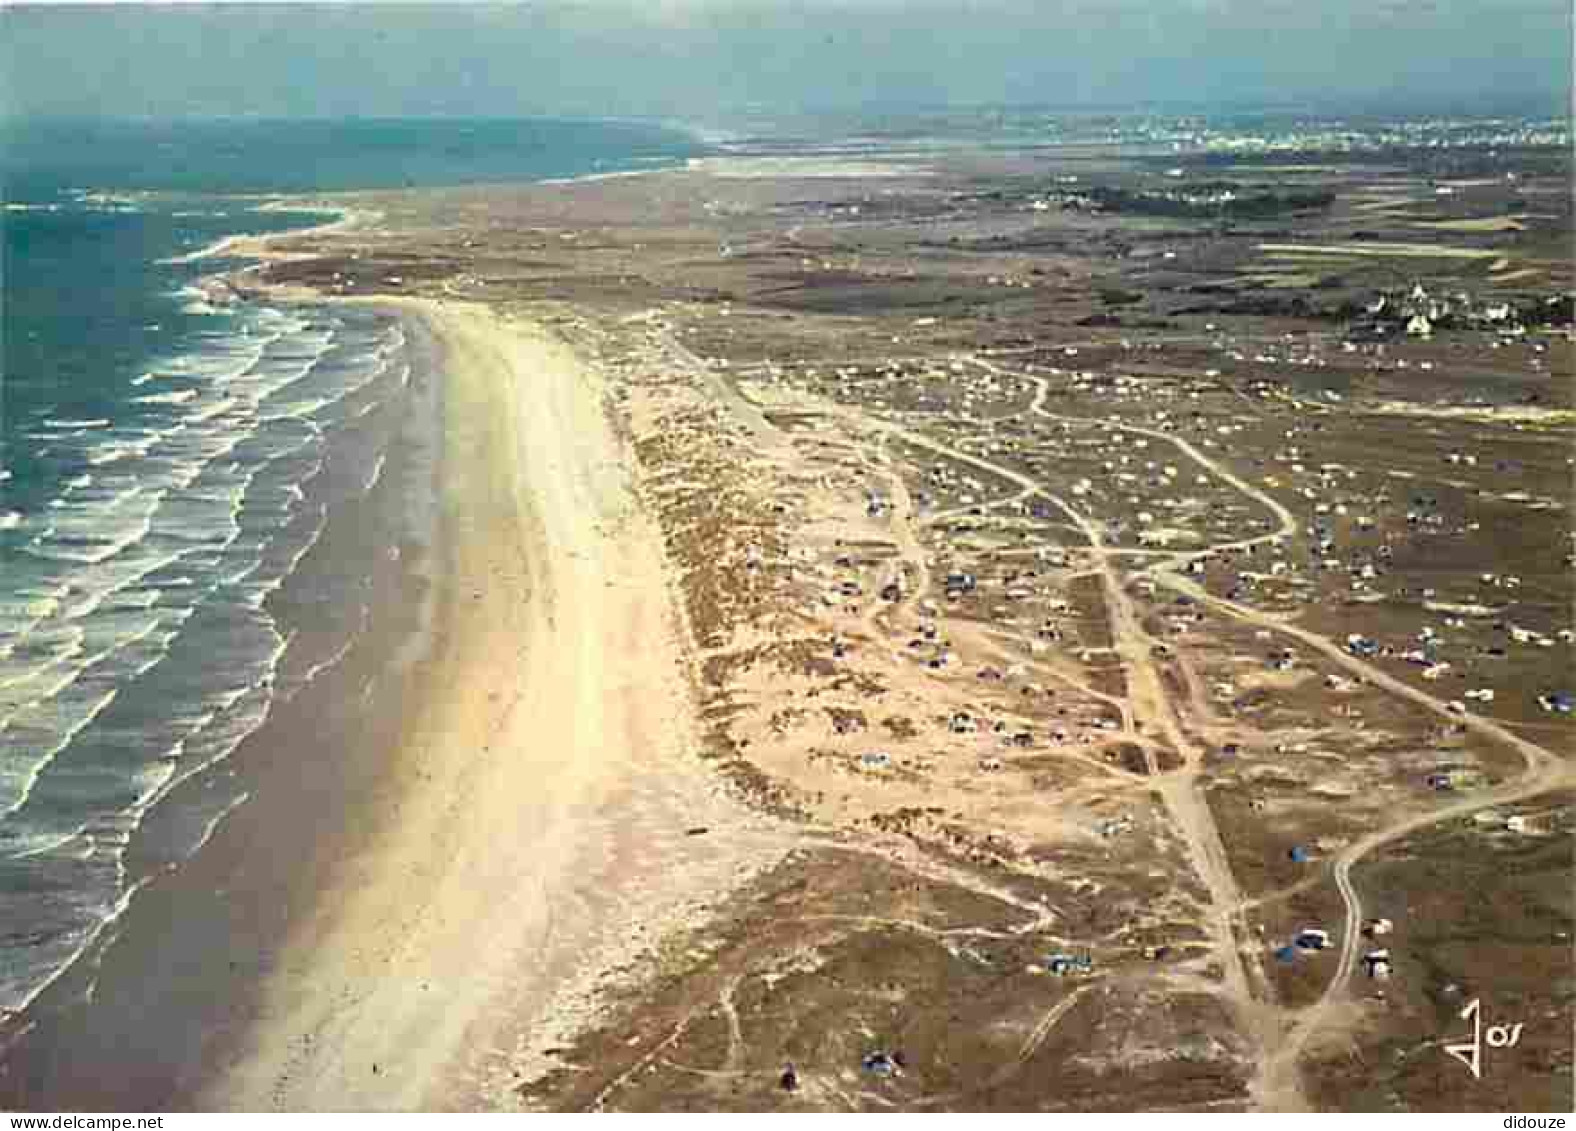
(547, 784)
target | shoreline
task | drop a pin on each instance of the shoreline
(258, 245)
(547, 765)
(497, 808)
(487, 788)
(183, 956)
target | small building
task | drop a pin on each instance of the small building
(1361, 646)
(1311, 938)
(1377, 965)
(1065, 965)
(1557, 702)
(960, 583)
(882, 1063)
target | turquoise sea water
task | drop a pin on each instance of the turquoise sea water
(165, 464)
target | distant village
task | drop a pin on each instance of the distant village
(1416, 312)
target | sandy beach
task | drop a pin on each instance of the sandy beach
(545, 783)
(455, 838)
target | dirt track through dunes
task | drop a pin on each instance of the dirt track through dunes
(1370, 250)
(1149, 703)
(547, 775)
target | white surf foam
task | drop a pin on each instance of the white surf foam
(106, 605)
(181, 397)
(66, 424)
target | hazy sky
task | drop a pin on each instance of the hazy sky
(707, 59)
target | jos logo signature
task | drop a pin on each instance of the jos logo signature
(1470, 1053)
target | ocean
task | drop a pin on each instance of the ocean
(166, 468)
